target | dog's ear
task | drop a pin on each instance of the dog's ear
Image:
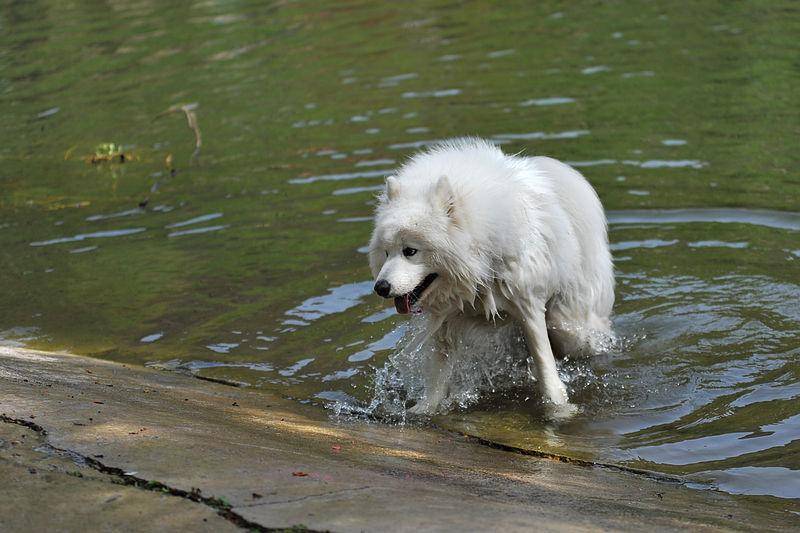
(443, 195)
(392, 187)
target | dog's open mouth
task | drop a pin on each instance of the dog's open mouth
(404, 303)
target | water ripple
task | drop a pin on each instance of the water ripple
(337, 300)
(758, 217)
(95, 235)
(432, 94)
(194, 231)
(126, 213)
(546, 101)
(346, 176)
(195, 220)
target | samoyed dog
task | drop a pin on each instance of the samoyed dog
(471, 237)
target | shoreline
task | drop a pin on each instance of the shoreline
(219, 456)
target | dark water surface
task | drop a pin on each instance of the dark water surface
(248, 264)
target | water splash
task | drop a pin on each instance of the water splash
(491, 364)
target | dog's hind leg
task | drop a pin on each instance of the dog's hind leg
(568, 337)
(576, 334)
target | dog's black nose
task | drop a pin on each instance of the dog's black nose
(383, 288)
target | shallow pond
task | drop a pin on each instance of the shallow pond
(247, 264)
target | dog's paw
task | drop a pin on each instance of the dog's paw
(561, 411)
(422, 408)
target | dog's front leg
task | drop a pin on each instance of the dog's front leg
(438, 372)
(535, 328)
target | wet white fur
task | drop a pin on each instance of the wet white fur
(510, 237)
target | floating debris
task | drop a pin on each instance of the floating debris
(191, 118)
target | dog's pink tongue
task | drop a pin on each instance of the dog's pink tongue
(403, 304)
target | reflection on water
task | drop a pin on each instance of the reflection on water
(153, 337)
(556, 100)
(653, 163)
(194, 231)
(194, 366)
(223, 347)
(126, 213)
(717, 244)
(337, 300)
(431, 94)
(752, 480)
(304, 110)
(771, 219)
(356, 190)
(574, 134)
(195, 220)
(647, 243)
(387, 342)
(292, 370)
(95, 235)
(345, 176)
(83, 249)
(595, 69)
(721, 447)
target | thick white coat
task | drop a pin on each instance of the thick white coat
(507, 235)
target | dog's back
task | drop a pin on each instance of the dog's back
(585, 306)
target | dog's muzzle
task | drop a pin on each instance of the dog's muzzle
(404, 303)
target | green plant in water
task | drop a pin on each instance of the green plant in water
(108, 153)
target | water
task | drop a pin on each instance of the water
(247, 263)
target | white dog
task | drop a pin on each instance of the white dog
(473, 236)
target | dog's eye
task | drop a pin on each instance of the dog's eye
(387, 253)
(408, 252)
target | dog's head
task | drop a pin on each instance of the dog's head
(413, 226)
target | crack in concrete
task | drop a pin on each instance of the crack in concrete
(223, 508)
(650, 474)
(307, 497)
(656, 476)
